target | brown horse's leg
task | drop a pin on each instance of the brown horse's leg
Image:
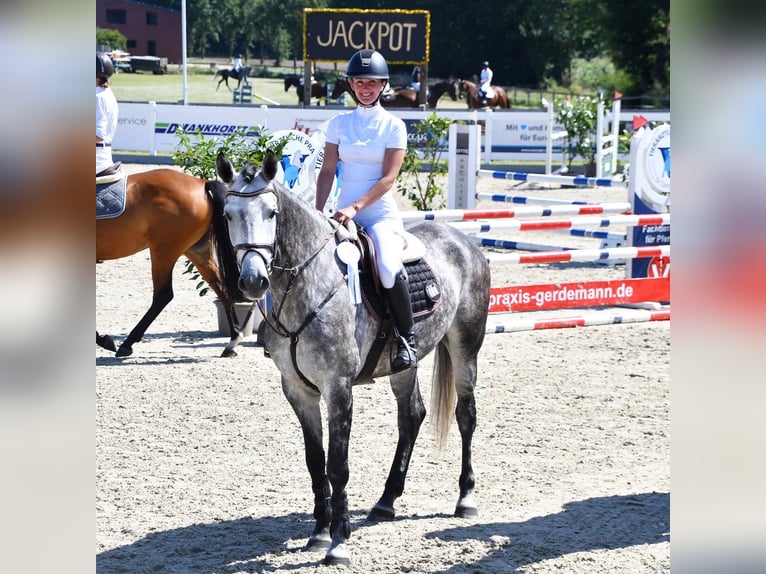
(106, 342)
(202, 256)
(162, 278)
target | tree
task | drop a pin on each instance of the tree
(112, 38)
(637, 38)
(203, 26)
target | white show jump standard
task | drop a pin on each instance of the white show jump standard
(579, 255)
(529, 211)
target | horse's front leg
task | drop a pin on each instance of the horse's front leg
(305, 404)
(339, 414)
(411, 413)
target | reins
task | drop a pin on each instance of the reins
(294, 336)
(295, 271)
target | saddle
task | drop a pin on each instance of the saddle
(424, 288)
(110, 191)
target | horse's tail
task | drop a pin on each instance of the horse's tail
(215, 75)
(443, 394)
(227, 259)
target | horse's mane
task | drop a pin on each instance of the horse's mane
(296, 203)
(227, 260)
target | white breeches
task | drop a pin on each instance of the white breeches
(388, 238)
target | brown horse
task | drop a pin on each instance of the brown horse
(318, 89)
(405, 97)
(470, 91)
(172, 214)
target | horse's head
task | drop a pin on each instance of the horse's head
(462, 88)
(452, 89)
(340, 86)
(250, 209)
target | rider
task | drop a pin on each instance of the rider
(237, 64)
(415, 80)
(485, 79)
(370, 142)
(106, 112)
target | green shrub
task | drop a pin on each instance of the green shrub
(578, 117)
(422, 163)
(195, 154)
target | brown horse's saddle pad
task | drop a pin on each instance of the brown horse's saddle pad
(110, 195)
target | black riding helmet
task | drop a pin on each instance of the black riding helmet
(366, 64)
(104, 66)
(369, 64)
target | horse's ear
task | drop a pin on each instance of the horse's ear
(270, 164)
(224, 168)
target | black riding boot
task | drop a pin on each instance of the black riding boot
(401, 311)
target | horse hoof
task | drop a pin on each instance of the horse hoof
(337, 555)
(466, 507)
(124, 351)
(381, 513)
(318, 542)
(106, 342)
(466, 512)
(229, 353)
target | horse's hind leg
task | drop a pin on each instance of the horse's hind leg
(465, 412)
(410, 415)
(106, 342)
(162, 278)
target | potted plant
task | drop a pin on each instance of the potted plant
(578, 116)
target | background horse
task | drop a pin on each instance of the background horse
(318, 89)
(475, 101)
(319, 339)
(405, 97)
(172, 214)
(227, 73)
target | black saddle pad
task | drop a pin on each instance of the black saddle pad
(424, 291)
(110, 198)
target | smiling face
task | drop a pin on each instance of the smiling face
(367, 90)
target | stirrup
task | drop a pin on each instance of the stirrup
(406, 356)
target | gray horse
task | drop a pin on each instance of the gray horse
(320, 339)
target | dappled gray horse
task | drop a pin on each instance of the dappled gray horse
(320, 340)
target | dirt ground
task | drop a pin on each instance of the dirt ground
(200, 465)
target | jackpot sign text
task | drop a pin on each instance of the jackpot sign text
(334, 35)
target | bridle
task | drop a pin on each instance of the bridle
(257, 247)
(294, 271)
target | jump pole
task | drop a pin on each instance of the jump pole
(553, 224)
(586, 319)
(528, 199)
(528, 211)
(577, 180)
(580, 255)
